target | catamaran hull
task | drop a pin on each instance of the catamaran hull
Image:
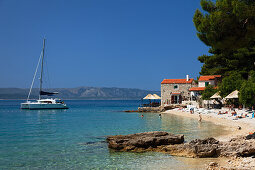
(40, 106)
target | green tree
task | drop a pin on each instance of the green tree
(228, 28)
(208, 92)
(247, 93)
(230, 84)
(252, 76)
(226, 24)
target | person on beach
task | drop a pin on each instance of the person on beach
(191, 110)
(200, 117)
(234, 113)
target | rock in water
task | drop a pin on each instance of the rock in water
(173, 144)
(142, 141)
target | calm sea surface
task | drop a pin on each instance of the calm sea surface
(75, 138)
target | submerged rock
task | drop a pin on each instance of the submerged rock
(143, 141)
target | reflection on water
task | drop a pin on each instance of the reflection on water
(75, 138)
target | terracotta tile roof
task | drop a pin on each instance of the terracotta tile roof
(197, 89)
(176, 81)
(210, 77)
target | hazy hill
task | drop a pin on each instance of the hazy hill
(79, 93)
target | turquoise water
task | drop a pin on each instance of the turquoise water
(75, 138)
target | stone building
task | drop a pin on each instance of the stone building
(174, 91)
(203, 82)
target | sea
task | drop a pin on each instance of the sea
(75, 138)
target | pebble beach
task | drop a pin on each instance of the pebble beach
(235, 127)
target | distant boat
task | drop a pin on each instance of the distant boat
(48, 103)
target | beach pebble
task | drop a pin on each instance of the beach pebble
(215, 164)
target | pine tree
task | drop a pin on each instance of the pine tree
(228, 28)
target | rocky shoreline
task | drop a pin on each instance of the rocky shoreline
(239, 150)
(141, 142)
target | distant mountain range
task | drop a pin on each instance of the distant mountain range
(89, 93)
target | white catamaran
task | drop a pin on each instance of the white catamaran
(43, 103)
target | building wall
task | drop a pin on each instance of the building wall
(167, 89)
(202, 83)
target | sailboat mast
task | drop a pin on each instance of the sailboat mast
(41, 70)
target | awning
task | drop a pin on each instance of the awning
(197, 89)
(176, 93)
(233, 95)
(216, 96)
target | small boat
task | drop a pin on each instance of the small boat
(48, 103)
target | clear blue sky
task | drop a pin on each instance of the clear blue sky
(103, 43)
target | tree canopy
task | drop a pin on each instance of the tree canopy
(208, 92)
(247, 93)
(228, 28)
(230, 84)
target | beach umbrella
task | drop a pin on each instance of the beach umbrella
(216, 96)
(149, 97)
(233, 95)
(157, 96)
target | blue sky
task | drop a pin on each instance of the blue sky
(102, 43)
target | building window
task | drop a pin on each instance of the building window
(176, 86)
(206, 84)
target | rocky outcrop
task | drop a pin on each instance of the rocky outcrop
(173, 144)
(151, 109)
(196, 148)
(140, 142)
(238, 147)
